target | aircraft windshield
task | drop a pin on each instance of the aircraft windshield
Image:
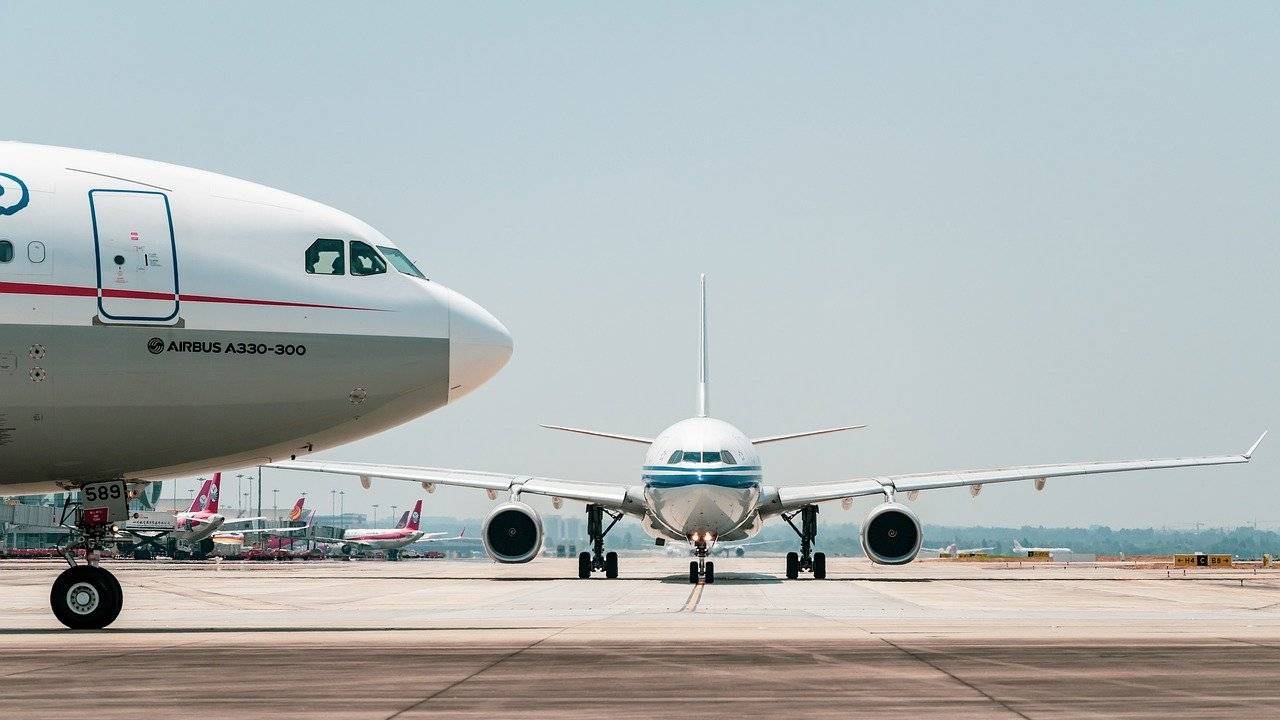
(400, 262)
(705, 457)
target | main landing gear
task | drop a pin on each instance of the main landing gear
(86, 597)
(598, 559)
(805, 560)
(701, 568)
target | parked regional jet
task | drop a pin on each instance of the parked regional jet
(391, 540)
(158, 321)
(702, 484)
(203, 519)
(952, 551)
(1017, 548)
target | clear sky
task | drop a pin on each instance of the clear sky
(997, 233)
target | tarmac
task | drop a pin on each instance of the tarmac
(435, 638)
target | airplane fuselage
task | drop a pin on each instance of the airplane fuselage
(384, 539)
(702, 477)
(158, 321)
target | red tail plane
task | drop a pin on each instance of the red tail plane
(415, 517)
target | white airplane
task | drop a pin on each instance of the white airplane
(388, 539)
(158, 322)
(952, 551)
(1017, 548)
(702, 483)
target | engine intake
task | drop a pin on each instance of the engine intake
(891, 535)
(512, 533)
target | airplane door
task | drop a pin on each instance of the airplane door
(137, 255)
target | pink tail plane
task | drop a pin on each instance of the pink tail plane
(415, 517)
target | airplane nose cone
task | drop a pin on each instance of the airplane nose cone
(479, 346)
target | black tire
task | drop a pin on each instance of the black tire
(793, 565)
(819, 566)
(584, 565)
(693, 572)
(710, 574)
(611, 565)
(119, 595)
(86, 598)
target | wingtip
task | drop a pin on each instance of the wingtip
(1249, 454)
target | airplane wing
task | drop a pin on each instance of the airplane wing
(792, 497)
(612, 496)
(236, 522)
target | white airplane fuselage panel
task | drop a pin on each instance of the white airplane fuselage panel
(157, 321)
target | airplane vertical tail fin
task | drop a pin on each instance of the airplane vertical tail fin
(296, 513)
(404, 520)
(215, 489)
(1017, 547)
(207, 499)
(704, 399)
(415, 517)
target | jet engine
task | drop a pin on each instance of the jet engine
(891, 535)
(512, 533)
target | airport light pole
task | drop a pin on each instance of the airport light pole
(275, 504)
(375, 514)
(394, 508)
(259, 491)
(342, 507)
(333, 504)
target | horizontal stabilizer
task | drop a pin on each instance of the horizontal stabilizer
(790, 436)
(597, 433)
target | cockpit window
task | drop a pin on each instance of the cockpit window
(675, 458)
(365, 261)
(401, 263)
(727, 458)
(325, 257)
(701, 457)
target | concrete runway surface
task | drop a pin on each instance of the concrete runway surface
(432, 638)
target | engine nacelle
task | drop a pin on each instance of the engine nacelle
(891, 535)
(512, 533)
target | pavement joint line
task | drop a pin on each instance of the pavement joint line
(1116, 682)
(478, 672)
(494, 664)
(99, 658)
(948, 673)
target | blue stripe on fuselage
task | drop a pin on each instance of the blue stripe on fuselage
(738, 480)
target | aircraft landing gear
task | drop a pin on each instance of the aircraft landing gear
(86, 597)
(598, 559)
(701, 568)
(805, 560)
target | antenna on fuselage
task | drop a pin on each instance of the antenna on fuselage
(703, 374)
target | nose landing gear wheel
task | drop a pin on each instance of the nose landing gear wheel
(86, 597)
(819, 566)
(584, 565)
(793, 566)
(611, 565)
(710, 575)
(693, 572)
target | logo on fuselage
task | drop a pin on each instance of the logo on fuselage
(155, 346)
(13, 194)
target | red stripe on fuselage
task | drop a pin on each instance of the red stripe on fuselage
(16, 288)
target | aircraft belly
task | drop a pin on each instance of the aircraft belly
(150, 402)
(702, 508)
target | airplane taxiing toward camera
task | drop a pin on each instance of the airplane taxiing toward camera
(702, 484)
(158, 321)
